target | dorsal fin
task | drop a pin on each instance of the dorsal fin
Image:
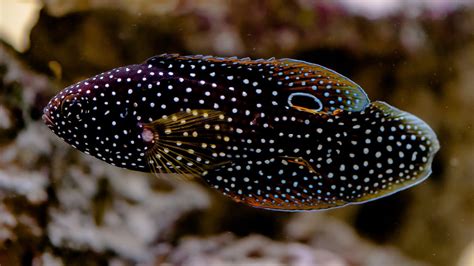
(329, 89)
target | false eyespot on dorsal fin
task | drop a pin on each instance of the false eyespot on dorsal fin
(316, 89)
(188, 143)
(309, 87)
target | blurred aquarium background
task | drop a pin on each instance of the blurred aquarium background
(61, 207)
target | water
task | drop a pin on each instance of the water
(59, 205)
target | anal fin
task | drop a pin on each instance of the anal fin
(285, 184)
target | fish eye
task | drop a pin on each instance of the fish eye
(148, 135)
(74, 106)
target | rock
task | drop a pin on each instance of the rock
(103, 208)
(31, 185)
(7, 223)
(321, 231)
(47, 259)
(68, 201)
(226, 249)
(467, 256)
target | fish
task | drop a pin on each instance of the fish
(277, 134)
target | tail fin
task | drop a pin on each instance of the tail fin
(396, 150)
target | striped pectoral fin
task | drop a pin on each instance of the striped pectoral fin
(187, 143)
(283, 183)
(316, 89)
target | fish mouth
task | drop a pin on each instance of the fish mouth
(47, 120)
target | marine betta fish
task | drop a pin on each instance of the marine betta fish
(278, 134)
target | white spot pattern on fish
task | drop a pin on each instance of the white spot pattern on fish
(276, 134)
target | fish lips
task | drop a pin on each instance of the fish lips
(47, 118)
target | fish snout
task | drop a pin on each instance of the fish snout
(47, 117)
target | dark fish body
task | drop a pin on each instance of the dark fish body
(276, 134)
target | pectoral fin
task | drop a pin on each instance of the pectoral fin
(188, 143)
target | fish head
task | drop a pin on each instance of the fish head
(97, 117)
(65, 111)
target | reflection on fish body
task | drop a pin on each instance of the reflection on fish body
(276, 134)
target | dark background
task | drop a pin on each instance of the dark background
(60, 206)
